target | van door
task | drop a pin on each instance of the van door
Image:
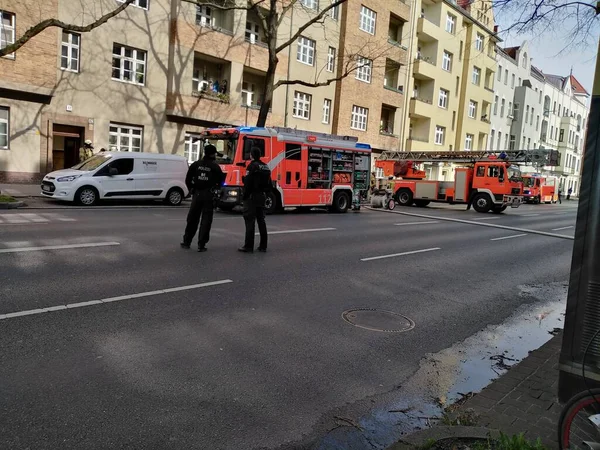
(121, 183)
(150, 176)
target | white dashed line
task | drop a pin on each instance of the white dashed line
(527, 215)
(57, 247)
(372, 258)
(416, 223)
(306, 230)
(488, 218)
(562, 228)
(508, 237)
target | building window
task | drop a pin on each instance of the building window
(492, 134)
(139, 3)
(447, 61)
(512, 81)
(252, 33)
(499, 73)
(306, 51)
(330, 59)
(125, 138)
(502, 107)
(472, 109)
(519, 82)
(537, 122)
(526, 113)
(326, 110)
(368, 17)
(561, 136)
(515, 112)
(203, 15)
(193, 145)
(248, 90)
(439, 135)
(129, 64)
(69, 59)
(302, 105)
(469, 142)
(363, 71)
(531, 117)
(511, 145)
(528, 143)
(499, 145)
(479, 42)
(7, 30)
(496, 105)
(359, 118)
(334, 12)
(4, 127)
(443, 99)
(505, 77)
(450, 23)
(476, 75)
(311, 4)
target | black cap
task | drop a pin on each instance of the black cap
(210, 150)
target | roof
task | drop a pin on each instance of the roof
(511, 51)
(555, 80)
(577, 86)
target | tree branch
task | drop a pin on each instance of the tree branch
(312, 21)
(48, 23)
(285, 10)
(222, 6)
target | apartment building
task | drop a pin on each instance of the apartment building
(153, 77)
(452, 76)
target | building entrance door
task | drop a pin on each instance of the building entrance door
(67, 140)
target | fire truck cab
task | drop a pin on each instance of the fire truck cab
(308, 169)
(538, 189)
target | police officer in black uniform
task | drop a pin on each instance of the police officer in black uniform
(257, 184)
(203, 179)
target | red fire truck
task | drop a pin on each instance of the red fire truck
(538, 189)
(308, 169)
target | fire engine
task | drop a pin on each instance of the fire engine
(538, 189)
(308, 169)
(490, 181)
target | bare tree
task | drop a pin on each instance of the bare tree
(53, 22)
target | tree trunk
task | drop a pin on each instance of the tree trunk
(267, 97)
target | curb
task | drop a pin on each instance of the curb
(11, 205)
(438, 433)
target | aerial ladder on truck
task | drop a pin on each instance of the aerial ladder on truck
(487, 180)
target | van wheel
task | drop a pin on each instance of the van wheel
(482, 203)
(174, 197)
(86, 196)
(422, 203)
(341, 202)
(404, 197)
(270, 203)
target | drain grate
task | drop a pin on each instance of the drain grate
(378, 320)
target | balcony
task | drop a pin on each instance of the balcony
(211, 78)
(424, 68)
(427, 31)
(391, 79)
(395, 31)
(254, 32)
(387, 121)
(252, 82)
(421, 108)
(215, 19)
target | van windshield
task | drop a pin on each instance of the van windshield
(225, 149)
(93, 163)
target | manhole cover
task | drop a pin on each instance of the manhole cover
(378, 320)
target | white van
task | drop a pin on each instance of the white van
(120, 175)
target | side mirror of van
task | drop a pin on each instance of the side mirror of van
(113, 171)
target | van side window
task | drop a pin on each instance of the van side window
(249, 143)
(480, 171)
(123, 165)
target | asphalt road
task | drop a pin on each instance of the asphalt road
(149, 346)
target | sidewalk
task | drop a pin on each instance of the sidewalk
(21, 190)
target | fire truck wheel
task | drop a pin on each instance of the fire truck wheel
(270, 203)
(341, 202)
(538, 200)
(482, 203)
(404, 197)
(422, 203)
(499, 209)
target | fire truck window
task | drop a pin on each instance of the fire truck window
(249, 143)
(537, 182)
(292, 152)
(493, 171)
(288, 178)
(481, 171)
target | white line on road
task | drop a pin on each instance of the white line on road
(416, 223)
(111, 299)
(508, 237)
(563, 228)
(305, 230)
(57, 247)
(527, 215)
(488, 218)
(372, 258)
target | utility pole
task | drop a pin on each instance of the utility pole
(581, 340)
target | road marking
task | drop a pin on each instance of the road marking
(57, 247)
(472, 222)
(416, 223)
(488, 218)
(32, 312)
(372, 258)
(527, 215)
(563, 228)
(34, 218)
(508, 237)
(305, 230)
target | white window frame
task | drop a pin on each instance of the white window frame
(334, 12)
(306, 51)
(252, 32)
(476, 76)
(360, 117)
(500, 73)
(326, 111)
(301, 107)
(331, 54)
(447, 61)
(71, 48)
(368, 20)
(5, 122)
(125, 131)
(443, 98)
(479, 42)
(502, 105)
(440, 135)
(472, 109)
(204, 15)
(248, 90)
(496, 105)
(364, 69)
(469, 141)
(310, 4)
(133, 60)
(8, 30)
(192, 147)
(450, 23)
(136, 3)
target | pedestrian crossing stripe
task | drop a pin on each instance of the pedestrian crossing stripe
(31, 218)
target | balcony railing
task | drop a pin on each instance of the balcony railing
(418, 138)
(395, 43)
(211, 95)
(485, 119)
(424, 100)
(391, 88)
(387, 132)
(488, 89)
(426, 59)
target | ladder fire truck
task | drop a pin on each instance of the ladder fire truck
(490, 181)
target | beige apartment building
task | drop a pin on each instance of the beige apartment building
(153, 77)
(453, 66)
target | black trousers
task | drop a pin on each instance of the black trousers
(202, 205)
(254, 211)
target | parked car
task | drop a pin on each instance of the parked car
(120, 175)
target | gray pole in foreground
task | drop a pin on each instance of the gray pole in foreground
(582, 319)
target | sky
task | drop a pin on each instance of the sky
(546, 46)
